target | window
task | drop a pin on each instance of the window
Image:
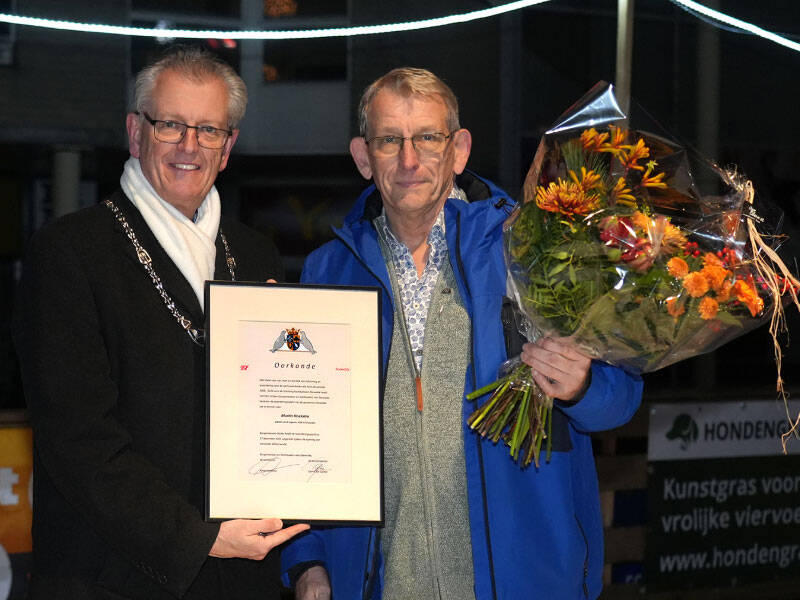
(216, 8)
(305, 60)
(276, 9)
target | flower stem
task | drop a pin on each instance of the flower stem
(476, 417)
(487, 388)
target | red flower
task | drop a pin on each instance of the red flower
(617, 232)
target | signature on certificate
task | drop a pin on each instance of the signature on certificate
(315, 467)
(267, 466)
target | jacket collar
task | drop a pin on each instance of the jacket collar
(485, 200)
(468, 224)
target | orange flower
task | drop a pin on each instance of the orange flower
(641, 221)
(565, 197)
(675, 306)
(673, 240)
(630, 158)
(724, 292)
(655, 180)
(715, 275)
(619, 193)
(748, 296)
(591, 140)
(696, 284)
(709, 258)
(677, 267)
(617, 143)
(588, 181)
(708, 308)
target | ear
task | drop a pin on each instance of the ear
(462, 144)
(226, 149)
(133, 123)
(360, 154)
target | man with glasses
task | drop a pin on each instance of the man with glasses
(108, 326)
(462, 520)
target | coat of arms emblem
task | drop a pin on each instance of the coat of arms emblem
(293, 340)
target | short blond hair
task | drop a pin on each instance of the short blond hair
(198, 65)
(409, 81)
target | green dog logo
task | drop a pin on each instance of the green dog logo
(685, 429)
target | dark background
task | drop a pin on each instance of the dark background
(731, 95)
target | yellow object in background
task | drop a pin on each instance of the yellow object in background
(16, 472)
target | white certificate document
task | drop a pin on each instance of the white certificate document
(294, 423)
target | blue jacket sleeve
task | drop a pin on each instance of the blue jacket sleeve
(313, 268)
(305, 547)
(611, 400)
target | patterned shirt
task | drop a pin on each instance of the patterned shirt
(415, 291)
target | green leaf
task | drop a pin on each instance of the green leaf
(728, 319)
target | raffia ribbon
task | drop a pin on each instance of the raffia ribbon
(769, 264)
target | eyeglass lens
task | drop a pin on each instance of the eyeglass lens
(424, 143)
(173, 132)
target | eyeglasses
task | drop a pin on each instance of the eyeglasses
(173, 132)
(426, 144)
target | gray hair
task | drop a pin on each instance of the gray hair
(197, 65)
(408, 81)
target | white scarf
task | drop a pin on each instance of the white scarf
(190, 244)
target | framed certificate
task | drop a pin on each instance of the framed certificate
(294, 425)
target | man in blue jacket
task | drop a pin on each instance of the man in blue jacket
(463, 521)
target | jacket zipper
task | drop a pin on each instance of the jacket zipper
(585, 559)
(369, 576)
(484, 497)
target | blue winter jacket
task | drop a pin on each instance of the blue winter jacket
(536, 532)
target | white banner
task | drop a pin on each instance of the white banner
(684, 431)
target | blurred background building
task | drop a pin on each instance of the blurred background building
(64, 96)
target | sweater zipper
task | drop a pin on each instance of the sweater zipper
(422, 455)
(485, 500)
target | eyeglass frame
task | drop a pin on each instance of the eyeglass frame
(411, 138)
(152, 121)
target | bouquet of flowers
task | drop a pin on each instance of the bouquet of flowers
(641, 252)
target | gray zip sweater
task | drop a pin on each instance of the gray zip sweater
(426, 539)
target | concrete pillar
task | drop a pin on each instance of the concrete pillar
(708, 98)
(708, 82)
(65, 190)
(622, 85)
(251, 67)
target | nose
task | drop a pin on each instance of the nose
(408, 155)
(189, 142)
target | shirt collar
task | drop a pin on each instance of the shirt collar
(382, 223)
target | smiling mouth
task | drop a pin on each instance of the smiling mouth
(185, 166)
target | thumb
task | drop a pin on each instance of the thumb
(270, 525)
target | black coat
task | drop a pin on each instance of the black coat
(116, 394)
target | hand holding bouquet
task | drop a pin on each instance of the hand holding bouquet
(637, 251)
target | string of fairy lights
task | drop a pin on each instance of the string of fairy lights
(713, 16)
